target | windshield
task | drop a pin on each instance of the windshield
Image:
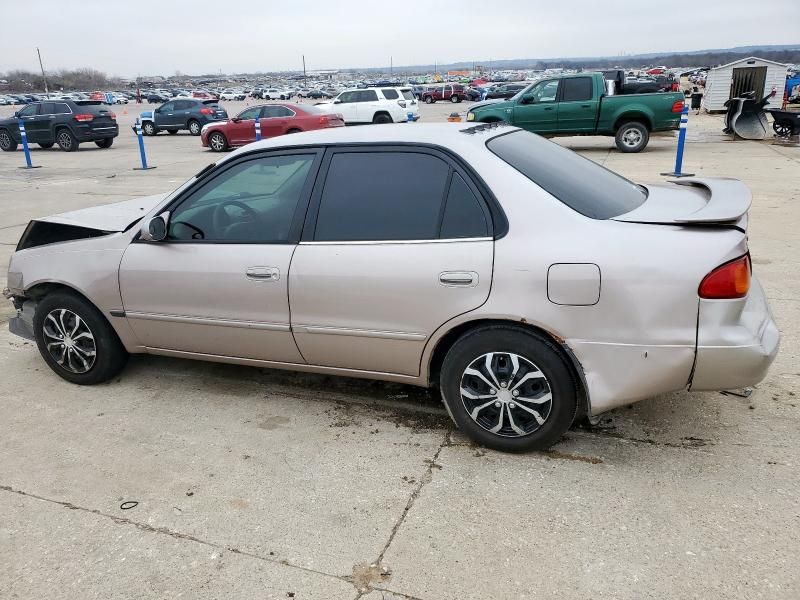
(578, 182)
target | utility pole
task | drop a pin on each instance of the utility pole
(391, 67)
(41, 66)
(305, 81)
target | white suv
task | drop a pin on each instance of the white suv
(376, 105)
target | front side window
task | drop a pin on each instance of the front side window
(169, 106)
(29, 110)
(576, 89)
(543, 92)
(347, 97)
(382, 196)
(251, 202)
(249, 114)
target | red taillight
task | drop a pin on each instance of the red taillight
(84, 117)
(112, 115)
(677, 107)
(731, 280)
(206, 111)
(676, 87)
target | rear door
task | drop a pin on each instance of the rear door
(368, 104)
(386, 259)
(275, 120)
(578, 105)
(537, 109)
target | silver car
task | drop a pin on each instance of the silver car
(527, 283)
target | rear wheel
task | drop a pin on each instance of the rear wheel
(217, 141)
(66, 140)
(632, 137)
(149, 128)
(76, 341)
(46, 145)
(194, 127)
(381, 118)
(105, 143)
(509, 389)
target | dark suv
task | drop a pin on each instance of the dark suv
(182, 113)
(63, 122)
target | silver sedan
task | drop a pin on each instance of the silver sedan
(530, 285)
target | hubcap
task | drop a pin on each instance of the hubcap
(64, 140)
(632, 137)
(194, 128)
(69, 340)
(506, 394)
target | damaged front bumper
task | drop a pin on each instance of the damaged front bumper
(22, 323)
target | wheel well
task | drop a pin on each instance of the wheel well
(450, 338)
(40, 290)
(633, 117)
(379, 113)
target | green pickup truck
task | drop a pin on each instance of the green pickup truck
(577, 104)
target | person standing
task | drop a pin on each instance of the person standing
(697, 98)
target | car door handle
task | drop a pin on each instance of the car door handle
(548, 108)
(263, 273)
(458, 278)
(586, 106)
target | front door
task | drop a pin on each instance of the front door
(536, 110)
(346, 104)
(30, 116)
(398, 242)
(578, 105)
(243, 130)
(164, 115)
(217, 284)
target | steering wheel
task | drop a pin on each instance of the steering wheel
(222, 220)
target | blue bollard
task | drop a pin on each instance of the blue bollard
(142, 154)
(681, 141)
(258, 130)
(410, 117)
(24, 136)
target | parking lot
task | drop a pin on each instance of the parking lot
(252, 483)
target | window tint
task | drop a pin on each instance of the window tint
(463, 215)
(390, 94)
(253, 201)
(48, 108)
(249, 114)
(168, 107)
(184, 104)
(544, 92)
(276, 111)
(367, 96)
(381, 196)
(62, 109)
(347, 97)
(29, 110)
(581, 184)
(576, 88)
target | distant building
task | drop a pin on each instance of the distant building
(749, 74)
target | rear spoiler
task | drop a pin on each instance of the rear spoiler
(728, 200)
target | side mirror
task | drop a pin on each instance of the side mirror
(16, 114)
(337, 101)
(528, 100)
(155, 229)
(235, 120)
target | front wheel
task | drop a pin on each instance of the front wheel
(66, 140)
(194, 127)
(509, 389)
(149, 128)
(217, 142)
(7, 143)
(105, 143)
(76, 341)
(632, 137)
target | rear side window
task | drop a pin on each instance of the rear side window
(390, 94)
(463, 215)
(62, 109)
(576, 88)
(48, 108)
(367, 96)
(581, 184)
(408, 94)
(382, 196)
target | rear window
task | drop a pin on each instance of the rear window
(581, 184)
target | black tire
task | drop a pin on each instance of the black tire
(110, 355)
(217, 141)
(66, 140)
(540, 353)
(429, 100)
(105, 143)
(149, 128)
(46, 145)
(7, 142)
(632, 137)
(172, 131)
(381, 119)
(194, 127)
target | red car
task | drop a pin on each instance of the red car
(275, 120)
(204, 95)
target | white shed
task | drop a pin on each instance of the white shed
(743, 75)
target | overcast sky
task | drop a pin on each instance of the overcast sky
(142, 37)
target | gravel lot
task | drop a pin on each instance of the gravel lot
(262, 484)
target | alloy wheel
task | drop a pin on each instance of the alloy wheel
(217, 142)
(632, 138)
(65, 140)
(69, 340)
(506, 394)
(5, 140)
(194, 128)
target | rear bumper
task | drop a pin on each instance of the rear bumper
(737, 340)
(88, 134)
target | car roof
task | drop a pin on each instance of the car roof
(448, 135)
